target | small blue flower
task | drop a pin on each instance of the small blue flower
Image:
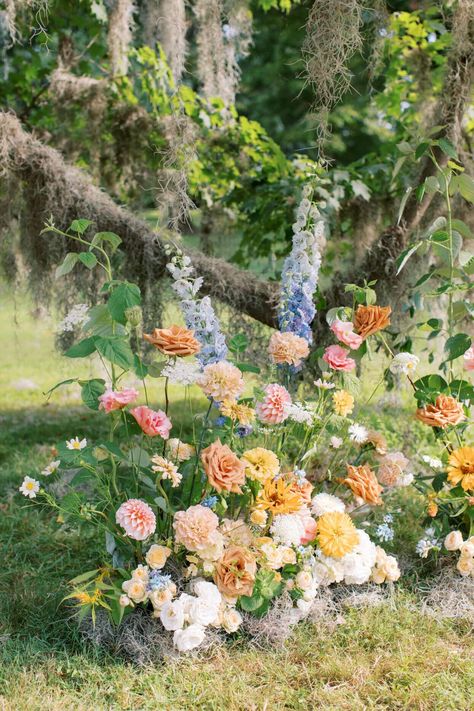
(158, 580)
(219, 421)
(209, 502)
(243, 430)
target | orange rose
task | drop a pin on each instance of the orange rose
(223, 468)
(370, 319)
(174, 341)
(235, 572)
(446, 411)
(363, 483)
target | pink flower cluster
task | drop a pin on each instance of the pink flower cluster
(273, 409)
(117, 399)
(137, 519)
(152, 422)
(337, 359)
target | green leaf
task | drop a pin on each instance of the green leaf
(465, 185)
(403, 202)
(421, 149)
(462, 228)
(405, 256)
(139, 367)
(250, 604)
(431, 384)
(83, 577)
(457, 345)
(447, 147)
(431, 184)
(80, 226)
(247, 367)
(90, 392)
(116, 350)
(110, 237)
(238, 343)
(100, 322)
(89, 260)
(82, 349)
(70, 261)
(154, 369)
(123, 297)
(140, 458)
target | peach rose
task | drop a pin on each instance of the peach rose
(391, 468)
(196, 527)
(287, 348)
(344, 332)
(224, 470)
(235, 572)
(363, 483)
(370, 319)
(337, 359)
(446, 411)
(174, 341)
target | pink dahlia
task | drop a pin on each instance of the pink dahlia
(344, 332)
(337, 359)
(152, 422)
(137, 519)
(196, 527)
(274, 407)
(117, 399)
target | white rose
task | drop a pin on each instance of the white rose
(141, 573)
(135, 589)
(203, 612)
(159, 597)
(189, 638)
(467, 549)
(208, 591)
(231, 620)
(453, 541)
(172, 615)
(465, 566)
(304, 580)
(124, 601)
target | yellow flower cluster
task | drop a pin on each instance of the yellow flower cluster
(343, 403)
(260, 464)
(238, 412)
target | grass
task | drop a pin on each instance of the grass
(386, 658)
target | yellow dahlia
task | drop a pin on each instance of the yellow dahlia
(461, 468)
(279, 497)
(260, 464)
(336, 534)
(343, 403)
(243, 414)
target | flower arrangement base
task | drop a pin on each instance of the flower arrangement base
(448, 595)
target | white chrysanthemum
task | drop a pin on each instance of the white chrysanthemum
(76, 443)
(326, 503)
(181, 372)
(288, 529)
(324, 385)
(404, 364)
(52, 468)
(358, 433)
(29, 487)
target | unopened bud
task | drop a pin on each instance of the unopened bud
(134, 316)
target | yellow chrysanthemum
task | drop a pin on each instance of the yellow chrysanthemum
(461, 468)
(260, 464)
(279, 497)
(336, 534)
(343, 403)
(243, 414)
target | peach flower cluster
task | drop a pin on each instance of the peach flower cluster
(288, 348)
(235, 572)
(445, 412)
(174, 341)
(117, 399)
(221, 381)
(370, 319)
(152, 422)
(136, 518)
(273, 409)
(195, 528)
(224, 470)
(363, 484)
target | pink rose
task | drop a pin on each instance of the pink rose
(469, 358)
(152, 422)
(344, 332)
(310, 527)
(336, 358)
(116, 399)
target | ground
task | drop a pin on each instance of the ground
(387, 657)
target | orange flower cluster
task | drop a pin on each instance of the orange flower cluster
(363, 483)
(446, 411)
(174, 341)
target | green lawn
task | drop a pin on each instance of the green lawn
(386, 657)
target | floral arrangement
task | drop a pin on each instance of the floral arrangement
(268, 492)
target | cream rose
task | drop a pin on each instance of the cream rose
(453, 541)
(157, 556)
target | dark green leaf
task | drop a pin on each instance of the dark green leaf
(447, 148)
(82, 349)
(91, 390)
(457, 345)
(123, 297)
(116, 350)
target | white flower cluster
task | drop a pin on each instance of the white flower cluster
(76, 317)
(355, 568)
(288, 529)
(182, 372)
(433, 462)
(326, 503)
(300, 413)
(427, 544)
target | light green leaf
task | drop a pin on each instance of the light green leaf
(80, 226)
(70, 261)
(88, 259)
(116, 350)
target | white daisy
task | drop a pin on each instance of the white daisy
(52, 468)
(76, 443)
(29, 487)
(358, 433)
